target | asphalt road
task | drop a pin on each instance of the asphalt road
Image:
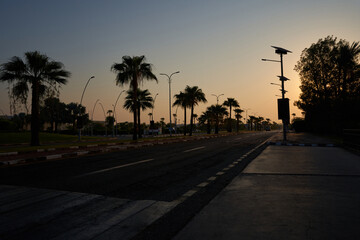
(161, 172)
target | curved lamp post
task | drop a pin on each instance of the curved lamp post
(104, 117)
(169, 78)
(217, 98)
(152, 111)
(92, 116)
(115, 112)
(79, 136)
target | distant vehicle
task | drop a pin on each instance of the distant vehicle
(267, 128)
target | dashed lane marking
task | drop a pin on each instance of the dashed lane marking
(204, 184)
(117, 167)
(194, 149)
(212, 178)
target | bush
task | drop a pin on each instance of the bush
(7, 125)
(299, 125)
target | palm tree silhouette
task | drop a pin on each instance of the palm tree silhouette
(238, 112)
(144, 101)
(182, 100)
(133, 70)
(38, 72)
(230, 102)
(218, 112)
(194, 95)
(206, 118)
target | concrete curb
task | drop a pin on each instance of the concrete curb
(303, 144)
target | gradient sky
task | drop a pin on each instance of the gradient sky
(216, 45)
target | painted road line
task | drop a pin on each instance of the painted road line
(189, 193)
(194, 149)
(204, 184)
(117, 167)
(219, 173)
(212, 178)
(53, 156)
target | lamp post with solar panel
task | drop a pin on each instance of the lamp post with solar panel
(283, 103)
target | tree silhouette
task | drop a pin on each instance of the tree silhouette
(230, 102)
(132, 71)
(144, 101)
(194, 96)
(38, 72)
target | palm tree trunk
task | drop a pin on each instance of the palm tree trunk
(184, 121)
(191, 119)
(217, 125)
(35, 127)
(208, 127)
(139, 124)
(230, 127)
(135, 86)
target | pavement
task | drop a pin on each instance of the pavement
(301, 190)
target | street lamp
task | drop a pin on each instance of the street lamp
(92, 116)
(152, 111)
(79, 136)
(115, 111)
(104, 117)
(169, 78)
(217, 98)
(283, 103)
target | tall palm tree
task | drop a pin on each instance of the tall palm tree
(132, 71)
(230, 102)
(194, 96)
(238, 112)
(182, 100)
(144, 101)
(218, 112)
(38, 72)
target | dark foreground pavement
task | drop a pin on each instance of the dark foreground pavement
(287, 192)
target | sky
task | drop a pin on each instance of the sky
(216, 45)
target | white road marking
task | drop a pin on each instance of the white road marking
(193, 149)
(211, 178)
(204, 184)
(112, 168)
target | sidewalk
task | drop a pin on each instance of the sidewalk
(287, 192)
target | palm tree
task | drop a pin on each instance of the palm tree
(144, 101)
(181, 100)
(206, 118)
(251, 121)
(238, 112)
(133, 70)
(217, 112)
(38, 72)
(194, 95)
(230, 102)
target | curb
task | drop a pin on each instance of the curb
(302, 144)
(106, 148)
